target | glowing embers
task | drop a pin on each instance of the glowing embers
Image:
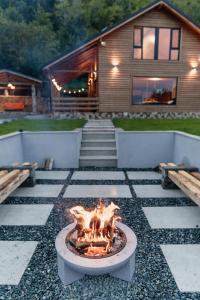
(96, 233)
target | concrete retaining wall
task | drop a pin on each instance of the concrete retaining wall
(11, 149)
(144, 149)
(64, 147)
(135, 149)
(187, 149)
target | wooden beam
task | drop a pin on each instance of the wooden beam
(12, 186)
(34, 101)
(186, 186)
(8, 178)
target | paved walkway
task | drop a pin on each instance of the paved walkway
(166, 223)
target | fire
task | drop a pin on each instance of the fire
(95, 228)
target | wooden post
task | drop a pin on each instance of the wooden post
(34, 102)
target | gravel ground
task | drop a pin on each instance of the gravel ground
(153, 279)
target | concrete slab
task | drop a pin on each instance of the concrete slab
(14, 259)
(52, 175)
(39, 190)
(156, 191)
(97, 191)
(173, 217)
(98, 175)
(17, 215)
(184, 263)
(143, 175)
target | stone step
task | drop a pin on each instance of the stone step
(98, 136)
(99, 143)
(98, 161)
(91, 130)
(96, 151)
(99, 126)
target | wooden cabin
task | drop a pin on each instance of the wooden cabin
(149, 62)
(19, 92)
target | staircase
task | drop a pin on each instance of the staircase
(98, 148)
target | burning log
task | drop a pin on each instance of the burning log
(95, 228)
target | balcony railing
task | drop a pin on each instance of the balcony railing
(79, 104)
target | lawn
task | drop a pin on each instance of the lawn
(189, 125)
(41, 125)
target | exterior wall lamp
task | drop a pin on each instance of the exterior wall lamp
(103, 43)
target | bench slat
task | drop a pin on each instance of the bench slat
(186, 186)
(3, 173)
(8, 178)
(12, 186)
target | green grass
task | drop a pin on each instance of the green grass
(191, 126)
(41, 125)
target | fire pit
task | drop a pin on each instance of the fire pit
(97, 243)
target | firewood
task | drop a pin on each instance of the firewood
(3, 173)
(12, 186)
(51, 164)
(8, 178)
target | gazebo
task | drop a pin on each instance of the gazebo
(19, 92)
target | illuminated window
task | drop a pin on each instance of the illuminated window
(156, 43)
(154, 91)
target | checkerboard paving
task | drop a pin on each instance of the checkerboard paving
(143, 175)
(166, 224)
(98, 175)
(52, 175)
(39, 190)
(22, 214)
(97, 191)
(14, 258)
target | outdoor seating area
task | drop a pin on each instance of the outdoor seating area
(100, 150)
(165, 222)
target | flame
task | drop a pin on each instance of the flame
(95, 228)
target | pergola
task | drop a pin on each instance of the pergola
(16, 88)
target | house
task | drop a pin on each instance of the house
(149, 62)
(19, 92)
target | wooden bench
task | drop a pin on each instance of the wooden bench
(185, 178)
(11, 177)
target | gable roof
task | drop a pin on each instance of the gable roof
(6, 71)
(165, 3)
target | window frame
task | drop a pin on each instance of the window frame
(156, 48)
(158, 104)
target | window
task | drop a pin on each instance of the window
(154, 91)
(156, 43)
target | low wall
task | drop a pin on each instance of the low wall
(187, 149)
(144, 149)
(64, 147)
(11, 149)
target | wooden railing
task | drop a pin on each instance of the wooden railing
(81, 104)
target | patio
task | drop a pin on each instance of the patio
(166, 224)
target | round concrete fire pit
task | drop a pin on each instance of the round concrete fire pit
(72, 267)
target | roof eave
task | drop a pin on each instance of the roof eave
(20, 75)
(115, 27)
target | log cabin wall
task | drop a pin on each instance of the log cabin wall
(115, 84)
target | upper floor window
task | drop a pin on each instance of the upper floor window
(156, 43)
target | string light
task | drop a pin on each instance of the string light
(58, 87)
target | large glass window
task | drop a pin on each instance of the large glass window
(154, 91)
(156, 43)
(148, 43)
